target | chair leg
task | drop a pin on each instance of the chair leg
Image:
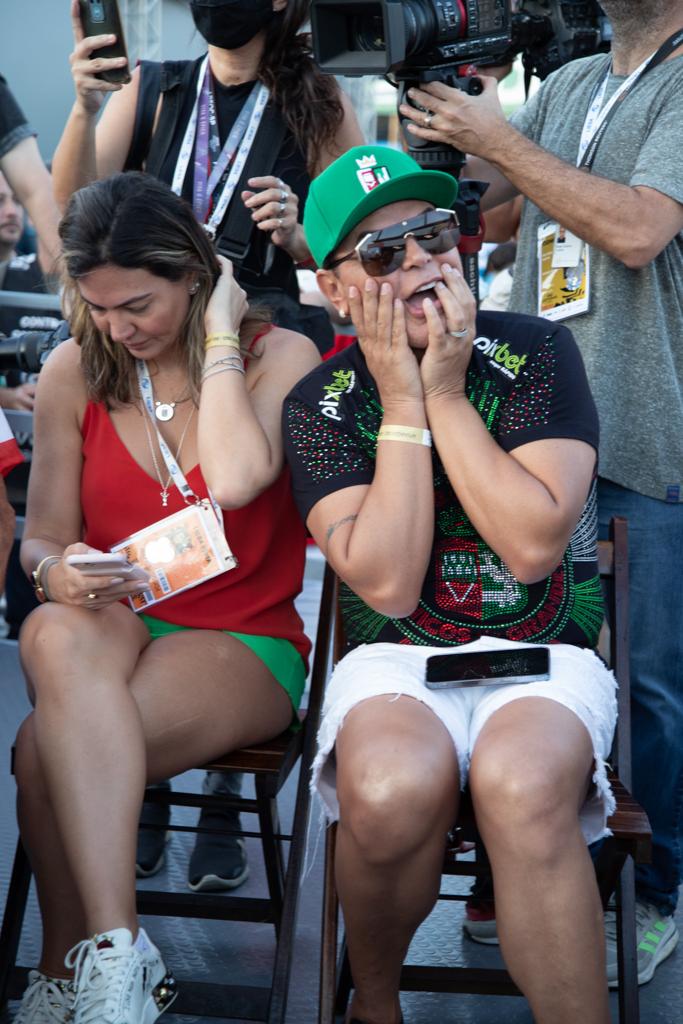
(13, 919)
(330, 920)
(344, 980)
(627, 954)
(269, 823)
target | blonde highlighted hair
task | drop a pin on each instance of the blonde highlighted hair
(132, 220)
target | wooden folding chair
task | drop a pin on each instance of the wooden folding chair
(630, 843)
(271, 764)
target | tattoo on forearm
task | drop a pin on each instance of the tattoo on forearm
(335, 526)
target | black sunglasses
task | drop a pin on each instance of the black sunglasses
(382, 252)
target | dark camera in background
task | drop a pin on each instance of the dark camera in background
(406, 37)
(28, 350)
(403, 38)
(416, 41)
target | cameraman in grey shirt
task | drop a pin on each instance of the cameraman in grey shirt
(605, 251)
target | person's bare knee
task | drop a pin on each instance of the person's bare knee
(526, 812)
(397, 787)
(57, 636)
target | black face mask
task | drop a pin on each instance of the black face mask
(231, 23)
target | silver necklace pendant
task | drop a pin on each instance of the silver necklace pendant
(164, 498)
(164, 411)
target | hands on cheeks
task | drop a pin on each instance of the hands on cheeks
(274, 209)
(443, 368)
(228, 303)
(380, 322)
(472, 124)
(68, 585)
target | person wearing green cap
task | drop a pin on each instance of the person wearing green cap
(445, 465)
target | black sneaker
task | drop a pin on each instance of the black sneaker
(218, 862)
(151, 851)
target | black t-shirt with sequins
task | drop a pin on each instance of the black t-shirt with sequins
(527, 381)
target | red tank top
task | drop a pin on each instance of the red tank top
(267, 537)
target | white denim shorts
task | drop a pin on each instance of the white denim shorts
(578, 680)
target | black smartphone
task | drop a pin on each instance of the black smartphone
(99, 18)
(486, 668)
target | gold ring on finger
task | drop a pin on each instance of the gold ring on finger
(428, 118)
(92, 597)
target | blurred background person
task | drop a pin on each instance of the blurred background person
(27, 175)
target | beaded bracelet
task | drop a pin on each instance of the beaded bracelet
(413, 435)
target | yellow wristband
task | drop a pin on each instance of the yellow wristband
(413, 435)
(225, 340)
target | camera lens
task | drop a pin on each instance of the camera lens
(366, 33)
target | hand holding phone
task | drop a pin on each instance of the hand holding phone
(104, 563)
(487, 668)
(93, 20)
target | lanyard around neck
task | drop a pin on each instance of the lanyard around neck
(597, 119)
(175, 472)
(234, 153)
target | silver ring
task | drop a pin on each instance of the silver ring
(284, 196)
(283, 207)
(459, 334)
(428, 118)
(279, 222)
(92, 597)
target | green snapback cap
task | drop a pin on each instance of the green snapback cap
(361, 181)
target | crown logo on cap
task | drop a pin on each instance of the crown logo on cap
(367, 161)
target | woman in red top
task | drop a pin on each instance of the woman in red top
(170, 393)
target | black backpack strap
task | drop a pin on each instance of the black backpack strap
(235, 236)
(148, 97)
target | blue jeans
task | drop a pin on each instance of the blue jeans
(655, 537)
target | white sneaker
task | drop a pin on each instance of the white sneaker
(46, 1000)
(656, 938)
(116, 982)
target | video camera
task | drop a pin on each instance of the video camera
(404, 38)
(28, 350)
(414, 41)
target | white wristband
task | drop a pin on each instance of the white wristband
(412, 435)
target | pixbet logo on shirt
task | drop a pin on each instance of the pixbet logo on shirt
(500, 356)
(343, 381)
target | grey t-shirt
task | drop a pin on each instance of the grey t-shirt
(631, 338)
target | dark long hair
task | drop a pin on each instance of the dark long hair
(133, 220)
(308, 99)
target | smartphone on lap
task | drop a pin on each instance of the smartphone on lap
(487, 668)
(101, 17)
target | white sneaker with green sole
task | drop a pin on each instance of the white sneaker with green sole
(656, 938)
